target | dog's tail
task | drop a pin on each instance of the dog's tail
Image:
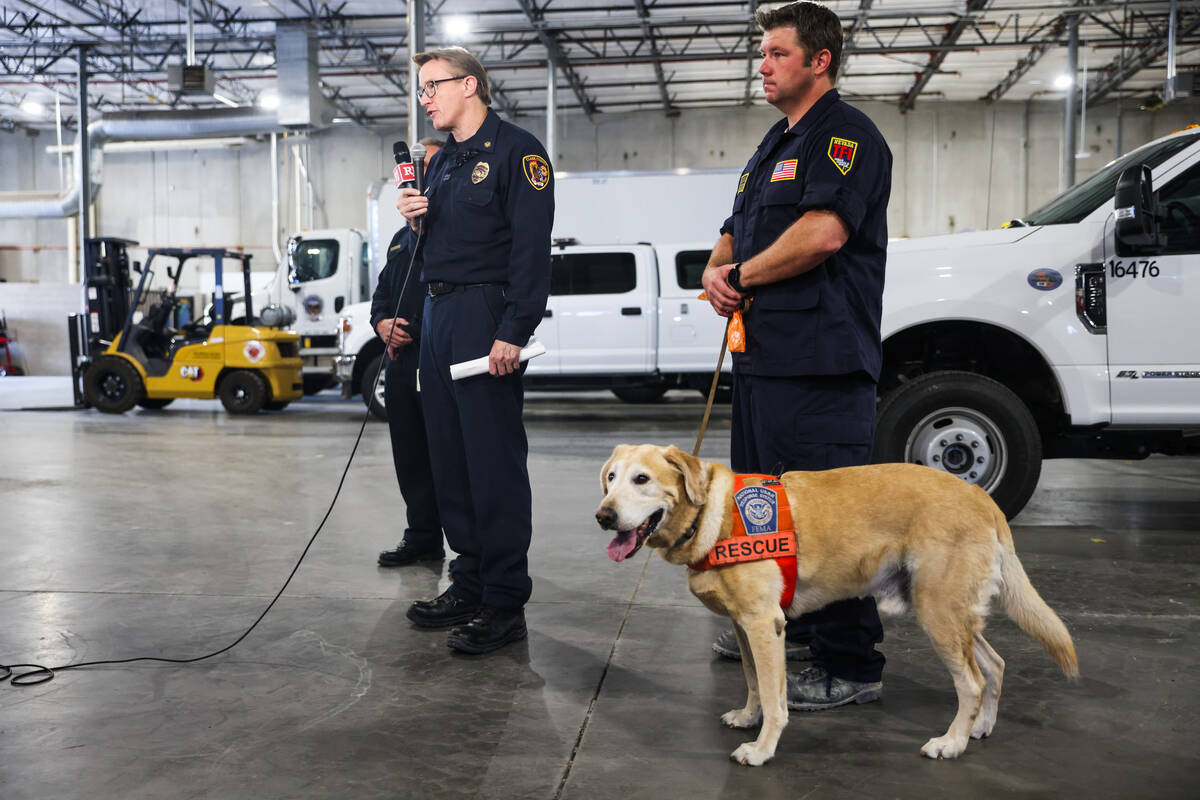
(1027, 608)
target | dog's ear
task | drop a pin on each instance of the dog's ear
(695, 473)
(608, 466)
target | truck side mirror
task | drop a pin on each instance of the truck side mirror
(1137, 230)
(293, 246)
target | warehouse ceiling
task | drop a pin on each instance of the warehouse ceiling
(613, 56)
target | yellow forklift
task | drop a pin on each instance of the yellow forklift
(249, 364)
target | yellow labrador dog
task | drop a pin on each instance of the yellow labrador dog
(909, 535)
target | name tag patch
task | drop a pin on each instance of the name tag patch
(841, 153)
(785, 170)
(753, 548)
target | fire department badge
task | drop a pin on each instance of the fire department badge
(841, 153)
(537, 171)
(480, 172)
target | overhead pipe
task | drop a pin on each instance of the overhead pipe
(136, 126)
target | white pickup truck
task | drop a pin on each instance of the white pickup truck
(619, 317)
(1074, 332)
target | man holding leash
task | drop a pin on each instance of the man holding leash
(803, 256)
(486, 217)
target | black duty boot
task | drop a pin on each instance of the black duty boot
(443, 611)
(490, 630)
(408, 553)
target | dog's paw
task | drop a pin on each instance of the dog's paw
(982, 728)
(943, 747)
(751, 755)
(741, 718)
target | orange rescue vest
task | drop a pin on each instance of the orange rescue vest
(762, 529)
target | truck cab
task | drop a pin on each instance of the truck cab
(1055, 336)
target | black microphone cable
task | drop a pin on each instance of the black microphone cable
(37, 674)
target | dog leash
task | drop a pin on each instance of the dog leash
(712, 390)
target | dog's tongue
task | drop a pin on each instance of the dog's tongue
(622, 545)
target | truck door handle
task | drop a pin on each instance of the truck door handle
(547, 314)
(631, 311)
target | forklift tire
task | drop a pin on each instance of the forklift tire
(154, 403)
(112, 385)
(273, 406)
(243, 392)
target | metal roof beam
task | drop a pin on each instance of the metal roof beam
(550, 41)
(935, 60)
(1128, 64)
(648, 34)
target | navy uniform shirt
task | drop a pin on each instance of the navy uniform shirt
(824, 321)
(491, 207)
(392, 282)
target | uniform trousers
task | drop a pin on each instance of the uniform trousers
(477, 448)
(410, 449)
(818, 422)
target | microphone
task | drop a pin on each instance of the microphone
(418, 160)
(404, 173)
(408, 175)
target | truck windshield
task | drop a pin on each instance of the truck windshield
(316, 259)
(1081, 200)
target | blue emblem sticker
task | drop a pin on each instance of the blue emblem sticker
(759, 508)
(1045, 280)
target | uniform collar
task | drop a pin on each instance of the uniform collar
(813, 115)
(484, 139)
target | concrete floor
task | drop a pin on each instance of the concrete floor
(166, 533)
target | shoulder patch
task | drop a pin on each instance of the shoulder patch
(742, 182)
(537, 171)
(841, 153)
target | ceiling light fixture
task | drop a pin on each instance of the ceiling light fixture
(227, 101)
(457, 27)
(33, 108)
(269, 100)
(1063, 81)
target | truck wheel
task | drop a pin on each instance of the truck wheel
(243, 392)
(967, 425)
(374, 398)
(273, 406)
(112, 385)
(155, 403)
(640, 394)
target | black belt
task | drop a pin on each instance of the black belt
(437, 288)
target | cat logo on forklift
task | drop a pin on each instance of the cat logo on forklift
(191, 373)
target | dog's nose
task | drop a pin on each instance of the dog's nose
(606, 517)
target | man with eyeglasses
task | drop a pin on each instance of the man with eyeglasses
(485, 221)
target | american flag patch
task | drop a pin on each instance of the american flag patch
(785, 170)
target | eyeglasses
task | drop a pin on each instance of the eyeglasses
(430, 87)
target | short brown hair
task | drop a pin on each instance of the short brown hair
(817, 28)
(462, 62)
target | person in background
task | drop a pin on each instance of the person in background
(400, 280)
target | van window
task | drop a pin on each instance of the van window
(1084, 198)
(316, 259)
(593, 273)
(689, 266)
(1179, 203)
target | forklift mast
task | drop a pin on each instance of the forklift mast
(106, 278)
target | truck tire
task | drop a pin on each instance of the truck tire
(243, 391)
(112, 385)
(155, 403)
(374, 396)
(966, 425)
(640, 394)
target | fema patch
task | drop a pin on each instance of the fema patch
(841, 153)
(759, 508)
(537, 171)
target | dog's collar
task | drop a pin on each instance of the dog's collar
(690, 533)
